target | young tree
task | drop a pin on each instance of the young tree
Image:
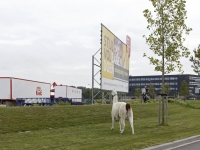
(184, 90)
(196, 60)
(166, 39)
(88, 93)
(167, 23)
(152, 90)
(167, 88)
(137, 92)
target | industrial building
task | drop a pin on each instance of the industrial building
(174, 82)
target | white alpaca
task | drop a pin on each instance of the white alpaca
(121, 110)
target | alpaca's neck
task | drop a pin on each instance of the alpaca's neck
(115, 99)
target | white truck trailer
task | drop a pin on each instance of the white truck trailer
(31, 91)
(67, 92)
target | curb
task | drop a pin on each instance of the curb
(174, 144)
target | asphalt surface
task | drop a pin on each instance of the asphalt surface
(191, 143)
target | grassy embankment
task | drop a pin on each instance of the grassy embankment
(88, 127)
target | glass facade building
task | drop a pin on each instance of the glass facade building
(174, 82)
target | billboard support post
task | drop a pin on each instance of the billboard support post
(92, 78)
(110, 97)
(93, 75)
(102, 97)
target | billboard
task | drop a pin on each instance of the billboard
(115, 57)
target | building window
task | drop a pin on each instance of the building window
(173, 78)
(191, 78)
(193, 83)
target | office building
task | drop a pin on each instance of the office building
(174, 82)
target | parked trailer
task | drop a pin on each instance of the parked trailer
(12, 88)
(74, 95)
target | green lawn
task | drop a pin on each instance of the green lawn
(88, 127)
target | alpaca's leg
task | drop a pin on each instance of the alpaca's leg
(120, 127)
(122, 124)
(113, 122)
(131, 124)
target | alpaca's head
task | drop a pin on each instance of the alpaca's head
(114, 96)
(113, 93)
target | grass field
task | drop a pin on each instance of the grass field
(88, 127)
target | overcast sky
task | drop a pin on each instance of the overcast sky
(54, 40)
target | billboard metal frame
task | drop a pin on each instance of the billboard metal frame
(94, 60)
(94, 74)
(99, 65)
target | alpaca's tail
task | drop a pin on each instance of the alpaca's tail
(129, 110)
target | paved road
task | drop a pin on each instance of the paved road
(188, 146)
(191, 143)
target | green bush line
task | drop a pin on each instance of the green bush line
(185, 103)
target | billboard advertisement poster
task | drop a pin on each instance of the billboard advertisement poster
(115, 57)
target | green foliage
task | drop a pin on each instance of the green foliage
(196, 60)
(167, 23)
(61, 103)
(137, 92)
(167, 88)
(152, 101)
(152, 90)
(87, 92)
(191, 103)
(184, 90)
